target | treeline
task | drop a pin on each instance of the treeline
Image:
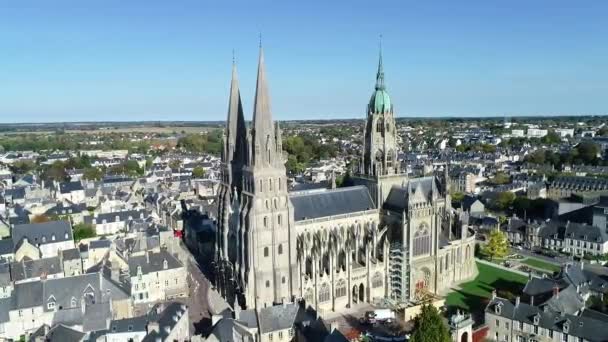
(585, 153)
(304, 149)
(210, 142)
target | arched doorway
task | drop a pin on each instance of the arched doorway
(361, 293)
(465, 337)
(355, 293)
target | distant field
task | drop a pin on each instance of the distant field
(166, 129)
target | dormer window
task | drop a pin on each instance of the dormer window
(53, 237)
(566, 327)
(66, 235)
(536, 319)
(498, 308)
(165, 264)
(44, 239)
(73, 302)
(51, 305)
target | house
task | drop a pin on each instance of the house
(71, 262)
(48, 237)
(273, 323)
(114, 222)
(571, 237)
(473, 205)
(34, 270)
(85, 302)
(552, 309)
(156, 276)
(72, 192)
(172, 324)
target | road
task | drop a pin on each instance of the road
(200, 320)
(558, 260)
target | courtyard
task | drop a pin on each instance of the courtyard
(473, 296)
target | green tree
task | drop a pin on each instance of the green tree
(92, 173)
(198, 172)
(504, 200)
(55, 172)
(497, 246)
(175, 164)
(500, 178)
(83, 231)
(522, 205)
(430, 326)
(551, 138)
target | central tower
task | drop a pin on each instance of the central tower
(379, 168)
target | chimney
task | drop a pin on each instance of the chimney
(147, 257)
(517, 301)
(493, 294)
(556, 291)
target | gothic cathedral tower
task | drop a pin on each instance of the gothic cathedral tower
(379, 169)
(268, 254)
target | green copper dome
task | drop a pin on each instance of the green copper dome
(380, 101)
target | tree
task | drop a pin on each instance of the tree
(198, 172)
(457, 198)
(500, 178)
(522, 205)
(40, 219)
(504, 200)
(92, 173)
(430, 326)
(498, 245)
(175, 164)
(83, 231)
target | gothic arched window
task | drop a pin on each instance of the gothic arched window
(341, 288)
(422, 240)
(377, 280)
(324, 293)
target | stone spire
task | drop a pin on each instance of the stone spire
(380, 73)
(263, 131)
(235, 135)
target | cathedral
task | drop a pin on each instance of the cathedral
(388, 237)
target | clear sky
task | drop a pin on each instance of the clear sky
(170, 60)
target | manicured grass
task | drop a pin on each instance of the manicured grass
(473, 296)
(541, 264)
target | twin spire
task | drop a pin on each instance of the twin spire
(264, 139)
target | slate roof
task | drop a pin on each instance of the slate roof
(6, 246)
(101, 243)
(128, 324)
(70, 254)
(154, 264)
(35, 232)
(580, 183)
(589, 325)
(416, 190)
(27, 295)
(61, 333)
(111, 217)
(67, 187)
(278, 317)
(22, 270)
(311, 205)
(166, 319)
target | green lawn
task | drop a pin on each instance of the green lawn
(541, 264)
(473, 296)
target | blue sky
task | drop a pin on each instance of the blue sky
(170, 60)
